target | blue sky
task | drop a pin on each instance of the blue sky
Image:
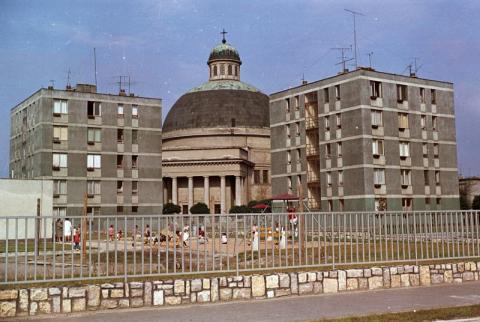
(164, 45)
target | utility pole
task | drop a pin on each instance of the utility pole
(301, 223)
(355, 14)
(84, 227)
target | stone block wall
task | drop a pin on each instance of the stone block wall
(35, 301)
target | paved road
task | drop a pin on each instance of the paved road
(297, 308)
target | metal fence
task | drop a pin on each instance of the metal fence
(41, 249)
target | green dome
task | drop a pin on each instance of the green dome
(224, 84)
(224, 51)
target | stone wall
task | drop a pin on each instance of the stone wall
(34, 301)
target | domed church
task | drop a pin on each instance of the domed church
(216, 140)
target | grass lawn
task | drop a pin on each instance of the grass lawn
(420, 315)
(30, 246)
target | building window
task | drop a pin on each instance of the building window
(120, 110)
(289, 157)
(59, 160)
(339, 149)
(134, 209)
(60, 212)
(426, 178)
(380, 204)
(288, 131)
(402, 121)
(93, 188)
(427, 201)
(236, 70)
(435, 150)
(328, 150)
(423, 122)
(327, 123)
(120, 209)
(422, 95)
(330, 205)
(297, 102)
(378, 177)
(60, 133)
(406, 204)
(375, 89)
(215, 71)
(404, 149)
(377, 147)
(134, 111)
(434, 123)
(377, 119)
(326, 95)
(340, 178)
(134, 187)
(94, 161)
(425, 150)
(94, 136)
(402, 93)
(222, 69)
(405, 177)
(287, 105)
(433, 94)
(437, 178)
(256, 176)
(339, 120)
(119, 161)
(337, 92)
(60, 107)
(94, 109)
(230, 70)
(93, 211)
(119, 186)
(439, 201)
(297, 129)
(59, 187)
(265, 176)
(329, 179)
(134, 136)
(120, 135)
(298, 156)
(341, 204)
(134, 161)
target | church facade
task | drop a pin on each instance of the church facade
(216, 140)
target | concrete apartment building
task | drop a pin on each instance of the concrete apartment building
(104, 147)
(366, 140)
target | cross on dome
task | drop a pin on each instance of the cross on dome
(224, 41)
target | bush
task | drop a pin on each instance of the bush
(171, 208)
(476, 202)
(199, 209)
(239, 210)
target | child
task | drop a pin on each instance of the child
(111, 232)
(76, 238)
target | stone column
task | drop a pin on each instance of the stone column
(238, 191)
(190, 193)
(174, 191)
(222, 194)
(206, 190)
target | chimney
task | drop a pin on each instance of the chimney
(304, 82)
(86, 88)
(50, 87)
(69, 87)
(131, 94)
(122, 93)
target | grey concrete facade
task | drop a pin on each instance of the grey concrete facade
(100, 146)
(366, 140)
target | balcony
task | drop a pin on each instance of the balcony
(311, 123)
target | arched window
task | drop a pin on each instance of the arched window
(222, 69)
(236, 70)
(229, 70)
(215, 70)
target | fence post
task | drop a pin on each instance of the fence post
(37, 228)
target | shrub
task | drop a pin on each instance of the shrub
(199, 209)
(171, 208)
(476, 202)
(239, 210)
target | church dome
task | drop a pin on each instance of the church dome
(222, 102)
(224, 51)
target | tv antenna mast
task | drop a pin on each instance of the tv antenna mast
(413, 67)
(69, 75)
(343, 58)
(95, 65)
(355, 14)
(370, 54)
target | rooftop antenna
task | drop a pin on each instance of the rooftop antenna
(224, 41)
(69, 74)
(95, 64)
(343, 58)
(52, 83)
(355, 14)
(303, 79)
(370, 54)
(413, 68)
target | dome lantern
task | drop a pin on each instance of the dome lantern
(224, 61)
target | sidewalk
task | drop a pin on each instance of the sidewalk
(297, 308)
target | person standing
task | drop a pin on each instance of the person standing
(67, 230)
(76, 238)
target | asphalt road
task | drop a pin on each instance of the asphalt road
(296, 308)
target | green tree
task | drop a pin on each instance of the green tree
(476, 202)
(199, 209)
(171, 208)
(239, 210)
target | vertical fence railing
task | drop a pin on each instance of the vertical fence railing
(34, 249)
